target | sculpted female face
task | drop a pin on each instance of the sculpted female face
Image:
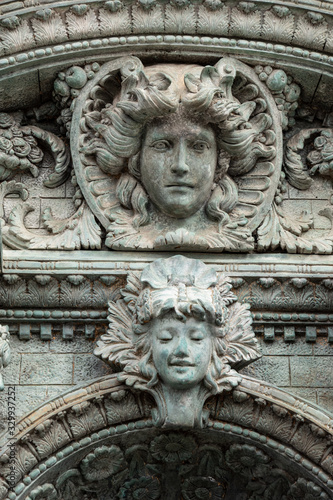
(181, 351)
(178, 162)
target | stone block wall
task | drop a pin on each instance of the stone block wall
(40, 370)
(303, 368)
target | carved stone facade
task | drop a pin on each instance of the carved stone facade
(166, 294)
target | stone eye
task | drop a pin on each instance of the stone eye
(200, 146)
(197, 336)
(164, 336)
(161, 145)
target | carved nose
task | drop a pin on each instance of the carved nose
(179, 165)
(181, 350)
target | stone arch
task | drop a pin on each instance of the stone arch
(259, 438)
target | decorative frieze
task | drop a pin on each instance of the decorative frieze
(88, 429)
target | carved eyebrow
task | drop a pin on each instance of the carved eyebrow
(166, 331)
(196, 333)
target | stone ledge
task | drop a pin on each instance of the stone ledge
(95, 263)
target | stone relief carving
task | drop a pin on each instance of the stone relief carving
(207, 471)
(4, 352)
(179, 334)
(59, 24)
(260, 439)
(20, 150)
(181, 157)
(170, 157)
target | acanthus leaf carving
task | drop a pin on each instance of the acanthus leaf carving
(78, 231)
(80, 24)
(274, 20)
(110, 22)
(49, 30)
(17, 37)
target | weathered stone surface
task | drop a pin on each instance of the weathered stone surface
(79, 344)
(36, 369)
(288, 48)
(281, 348)
(87, 366)
(311, 372)
(274, 369)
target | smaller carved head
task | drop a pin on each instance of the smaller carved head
(180, 321)
(179, 324)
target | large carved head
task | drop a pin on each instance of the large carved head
(178, 327)
(172, 139)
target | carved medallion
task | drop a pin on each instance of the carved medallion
(177, 156)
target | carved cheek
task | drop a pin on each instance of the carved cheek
(161, 353)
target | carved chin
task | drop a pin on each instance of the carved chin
(178, 203)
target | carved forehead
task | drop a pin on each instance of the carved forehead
(179, 124)
(171, 318)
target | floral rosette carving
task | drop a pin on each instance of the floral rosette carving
(197, 488)
(102, 463)
(144, 488)
(178, 332)
(173, 449)
(176, 463)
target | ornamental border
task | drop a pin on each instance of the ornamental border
(261, 392)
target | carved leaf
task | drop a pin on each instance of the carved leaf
(79, 296)
(60, 154)
(241, 346)
(54, 438)
(147, 21)
(79, 26)
(132, 290)
(42, 296)
(114, 23)
(51, 31)
(13, 295)
(275, 28)
(265, 298)
(303, 298)
(121, 411)
(102, 294)
(294, 168)
(308, 34)
(309, 444)
(293, 225)
(20, 38)
(78, 231)
(86, 421)
(180, 21)
(137, 456)
(117, 343)
(280, 229)
(209, 22)
(245, 24)
(270, 424)
(25, 461)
